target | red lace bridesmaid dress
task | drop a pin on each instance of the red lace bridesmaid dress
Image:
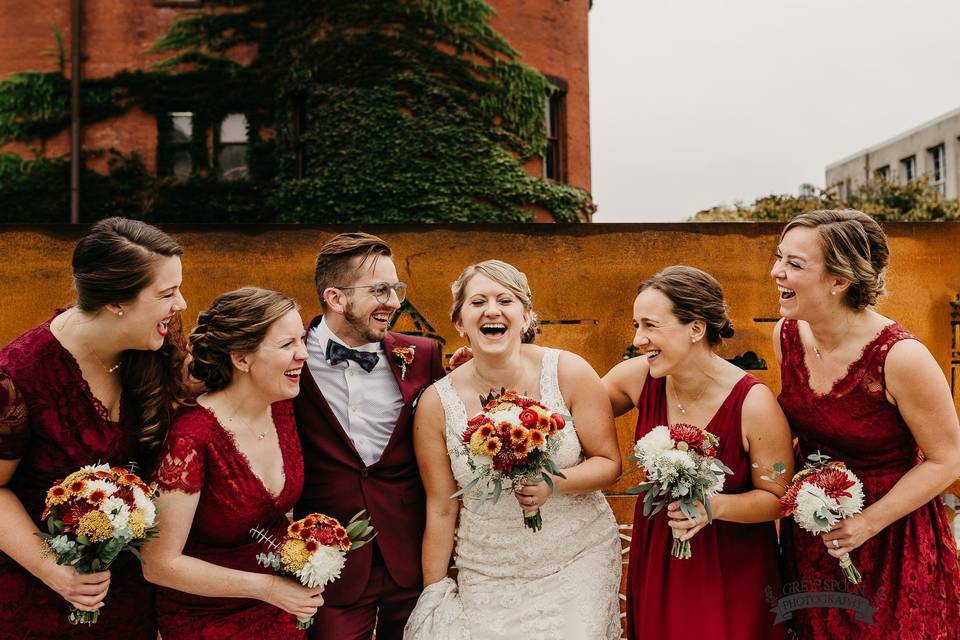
(722, 591)
(910, 572)
(53, 424)
(199, 455)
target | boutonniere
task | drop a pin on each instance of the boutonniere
(403, 356)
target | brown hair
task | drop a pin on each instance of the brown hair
(854, 248)
(236, 322)
(333, 262)
(695, 295)
(111, 265)
(507, 276)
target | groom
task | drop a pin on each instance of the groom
(355, 415)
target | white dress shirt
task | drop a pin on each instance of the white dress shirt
(367, 405)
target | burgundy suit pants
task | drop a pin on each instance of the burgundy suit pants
(384, 605)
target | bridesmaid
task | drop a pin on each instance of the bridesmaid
(93, 384)
(860, 388)
(229, 465)
(680, 318)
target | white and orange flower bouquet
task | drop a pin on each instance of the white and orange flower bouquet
(511, 440)
(314, 549)
(92, 516)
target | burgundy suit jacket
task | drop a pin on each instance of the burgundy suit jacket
(339, 484)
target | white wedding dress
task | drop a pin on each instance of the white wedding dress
(560, 583)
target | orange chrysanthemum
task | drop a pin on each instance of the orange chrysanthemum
(76, 487)
(518, 434)
(491, 446)
(97, 496)
(536, 439)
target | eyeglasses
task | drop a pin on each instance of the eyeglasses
(381, 290)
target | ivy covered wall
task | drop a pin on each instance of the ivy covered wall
(358, 111)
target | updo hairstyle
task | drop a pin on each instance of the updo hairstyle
(507, 276)
(236, 322)
(695, 295)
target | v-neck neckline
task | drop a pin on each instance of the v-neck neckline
(851, 366)
(99, 407)
(716, 414)
(274, 498)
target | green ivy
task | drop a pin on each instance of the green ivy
(417, 111)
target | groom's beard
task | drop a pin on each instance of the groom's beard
(361, 326)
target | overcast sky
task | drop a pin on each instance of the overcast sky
(698, 102)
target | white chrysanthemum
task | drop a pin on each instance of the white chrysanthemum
(92, 485)
(654, 443)
(93, 468)
(61, 544)
(146, 506)
(118, 512)
(815, 509)
(853, 504)
(718, 477)
(511, 415)
(322, 567)
(679, 460)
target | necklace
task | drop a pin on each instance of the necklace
(112, 369)
(819, 354)
(260, 435)
(679, 404)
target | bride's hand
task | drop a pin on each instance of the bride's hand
(532, 495)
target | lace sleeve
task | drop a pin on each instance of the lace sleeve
(14, 426)
(182, 464)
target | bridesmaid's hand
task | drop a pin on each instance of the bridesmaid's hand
(292, 597)
(532, 495)
(85, 591)
(681, 522)
(849, 533)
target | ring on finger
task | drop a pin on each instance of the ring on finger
(836, 544)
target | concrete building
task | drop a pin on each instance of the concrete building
(933, 148)
(549, 35)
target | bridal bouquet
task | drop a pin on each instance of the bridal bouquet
(679, 463)
(511, 440)
(314, 549)
(820, 495)
(92, 516)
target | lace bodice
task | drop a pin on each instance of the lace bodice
(558, 583)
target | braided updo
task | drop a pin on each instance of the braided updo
(236, 322)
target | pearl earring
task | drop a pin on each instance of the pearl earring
(461, 333)
(833, 293)
(120, 313)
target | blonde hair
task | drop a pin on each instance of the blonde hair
(854, 248)
(237, 321)
(507, 276)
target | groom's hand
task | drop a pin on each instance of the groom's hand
(461, 356)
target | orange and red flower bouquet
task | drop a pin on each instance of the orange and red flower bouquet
(92, 516)
(511, 440)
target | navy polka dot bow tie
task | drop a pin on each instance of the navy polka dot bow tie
(337, 353)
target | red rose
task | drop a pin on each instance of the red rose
(529, 418)
(558, 420)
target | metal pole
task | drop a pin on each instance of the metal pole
(76, 18)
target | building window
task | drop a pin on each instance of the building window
(554, 165)
(938, 169)
(908, 168)
(232, 147)
(883, 173)
(179, 145)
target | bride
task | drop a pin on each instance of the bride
(511, 582)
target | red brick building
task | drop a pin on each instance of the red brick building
(550, 35)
